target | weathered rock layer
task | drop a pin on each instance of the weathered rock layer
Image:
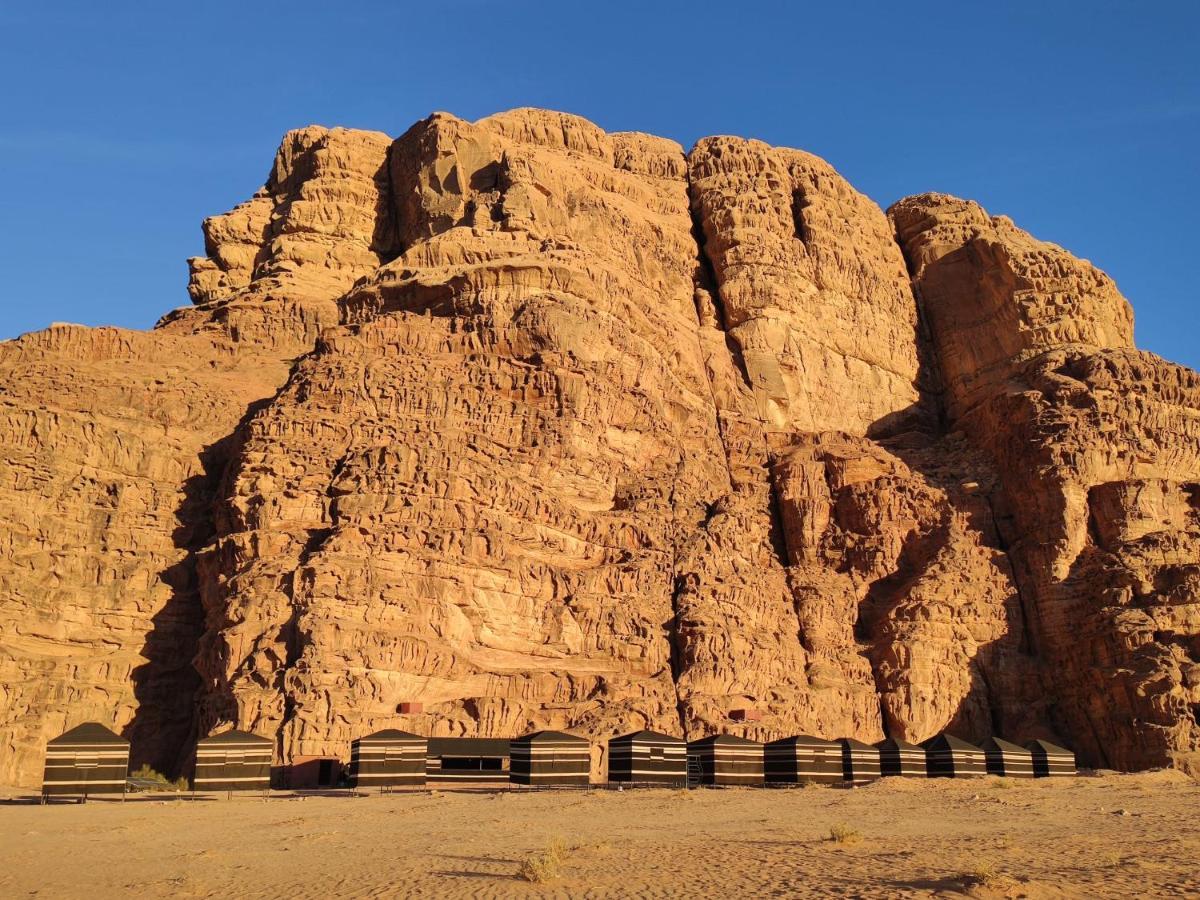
(539, 426)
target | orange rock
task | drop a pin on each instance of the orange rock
(517, 424)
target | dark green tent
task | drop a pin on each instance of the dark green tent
(1007, 759)
(900, 758)
(725, 759)
(860, 761)
(467, 760)
(1051, 760)
(947, 756)
(233, 761)
(803, 758)
(551, 758)
(88, 759)
(647, 757)
(388, 758)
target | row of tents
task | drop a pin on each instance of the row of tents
(91, 759)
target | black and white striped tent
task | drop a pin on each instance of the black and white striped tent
(725, 759)
(802, 758)
(860, 762)
(947, 756)
(647, 757)
(389, 758)
(1007, 759)
(88, 759)
(1050, 759)
(233, 761)
(551, 758)
(467, 760)
(897, 757)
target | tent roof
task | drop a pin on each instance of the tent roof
(89, 733)
(949, 740)
(897, 744)
(392, 734)
(548, 735)
(995, 743)
(468, 746)
(646, 736)
(855, 744)
(727, 740)
(804, 740)
(1049, 749)
(236, 737)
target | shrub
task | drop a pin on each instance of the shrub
(844, 834)
(546, 865)
(983, 873)
(162, 782)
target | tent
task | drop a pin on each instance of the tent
(233, 761)
(803, 758)
(459, 760)
(1007, 759)
(647, 757)
(88, 759)
(389, 758)
(551, 758)
(897, 757)
(860, 762)
(1050, 759)
(947, 756)
(725, 759)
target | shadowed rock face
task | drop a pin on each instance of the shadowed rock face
(543, 427)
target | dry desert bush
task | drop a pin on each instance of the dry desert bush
(844, 834)
(545, 865)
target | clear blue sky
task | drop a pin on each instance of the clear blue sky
(124, 124)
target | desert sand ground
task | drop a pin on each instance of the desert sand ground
(1102, 836)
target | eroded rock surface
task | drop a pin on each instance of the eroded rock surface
(539, 426)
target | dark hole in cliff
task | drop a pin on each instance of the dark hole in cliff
(800, 203)
(486, 178)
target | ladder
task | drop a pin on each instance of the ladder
(695, 773)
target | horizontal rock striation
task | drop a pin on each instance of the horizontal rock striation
(538, 426)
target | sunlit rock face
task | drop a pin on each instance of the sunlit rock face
(542, 427)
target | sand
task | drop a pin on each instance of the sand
(1102, 836)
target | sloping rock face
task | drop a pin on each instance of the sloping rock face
(543, 427)
(113, 443)
(1096, 445)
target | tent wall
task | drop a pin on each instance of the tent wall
(1008, 760)
(730, 764)
(1051, 761)
(648, 761)
(467, 760)
(233, 764)
(860, 762)
(897, 758)
(91, 764)
(559, 760)
(954, 759)
(797, 760)
(388, 761)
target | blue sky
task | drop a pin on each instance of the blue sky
(124, 124)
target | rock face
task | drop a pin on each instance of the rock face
(543, 427)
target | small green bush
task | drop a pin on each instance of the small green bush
(163, 783)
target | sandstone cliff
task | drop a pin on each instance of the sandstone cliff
(540, 426)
